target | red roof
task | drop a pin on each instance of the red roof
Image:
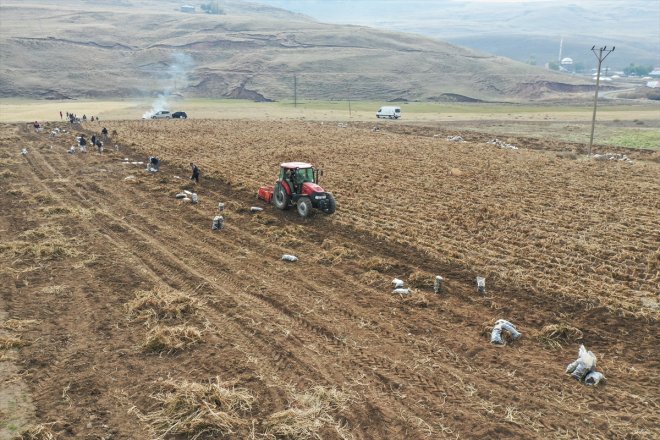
(296, 165)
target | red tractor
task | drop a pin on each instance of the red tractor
(298, 185)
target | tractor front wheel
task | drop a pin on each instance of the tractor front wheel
(281, 198)
(332, 205)
(304, 207)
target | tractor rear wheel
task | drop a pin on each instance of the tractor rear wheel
(304, 207)
(332, 205)
(281, 198)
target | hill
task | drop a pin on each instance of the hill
(120, 48)
(524, 31)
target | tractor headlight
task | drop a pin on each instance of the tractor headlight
(319, 197)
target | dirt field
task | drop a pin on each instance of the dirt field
(620, 123)
(122, 313)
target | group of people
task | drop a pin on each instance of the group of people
(95, 140)
(153, 165)
(153, 161)
(73, 118)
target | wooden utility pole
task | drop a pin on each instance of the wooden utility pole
(600, 57)
(349, 103)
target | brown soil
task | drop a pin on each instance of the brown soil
(80, 242)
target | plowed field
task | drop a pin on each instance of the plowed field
(122, 304)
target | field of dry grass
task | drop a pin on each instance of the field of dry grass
(632, 125)
(126, 316)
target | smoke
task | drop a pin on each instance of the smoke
(175, 78)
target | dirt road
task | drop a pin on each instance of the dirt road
(79, 240)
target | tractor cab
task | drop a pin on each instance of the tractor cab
(294, 175)
(298, 184)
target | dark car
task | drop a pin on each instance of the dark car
(181, 115)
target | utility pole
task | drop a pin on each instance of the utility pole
(295, 91)
(349, 103)
(600, 57)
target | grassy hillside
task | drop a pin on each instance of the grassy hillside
(517, 30)
(142, 48)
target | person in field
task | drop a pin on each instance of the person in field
(154, 164)
(195, 173)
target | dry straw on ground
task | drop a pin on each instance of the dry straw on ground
(374, 278)
(417, 299)
(286, 236)
(17, 325)
(419, 279)
(555, 335)
(43, 243)
(41, 251)
(309, 413)
(162, 304)
(42, 431)
(162, 339)
(332, 253)
(8, 341)
(378, 264)
(193, 410)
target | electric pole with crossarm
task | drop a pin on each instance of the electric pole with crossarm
(600, 57)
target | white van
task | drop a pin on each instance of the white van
(389, 112)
